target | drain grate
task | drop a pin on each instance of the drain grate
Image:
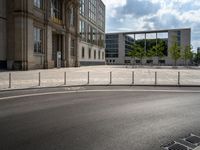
(188, 143)
(177, 147)
(194, 140)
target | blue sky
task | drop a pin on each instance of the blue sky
(137, 15)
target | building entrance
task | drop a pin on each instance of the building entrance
(57, 49)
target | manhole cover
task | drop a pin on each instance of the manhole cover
(193, 139)
(177, 147)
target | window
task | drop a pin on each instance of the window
(99, 54)
(92, 10)
(56, 11)
(127, 61)
(89, 53)
(38, 3)
(82, 30)
(82, 7)
(149, 61)
(72, 47)
(103, 55)
(83, 52)
(37, 40)
(94, 54)
(72, 17)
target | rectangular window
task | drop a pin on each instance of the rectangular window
(56, 11)
(89, 53)
(38, 3)
(99, 54)
(94, 54)
(72, 17)
(38, 40)
(92, 10)
(72, 47)
(83, 52)
(82, 7)
(103, 55)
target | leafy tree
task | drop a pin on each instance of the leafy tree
(159, 50)
(187, 54)
(175, 51)
(133, 55)
(150, 53)
(197, 58)
(137, 52)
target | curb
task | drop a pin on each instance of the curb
(100, 85)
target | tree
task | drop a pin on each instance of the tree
(137, 52)
(133, 55)
(197, 58)
(159, 50)
(187, 54)
(175, 51)
(150, 53)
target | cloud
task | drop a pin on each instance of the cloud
(134, 15)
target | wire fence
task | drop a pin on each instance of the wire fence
(17, 80)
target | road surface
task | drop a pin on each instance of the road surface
(104, 118)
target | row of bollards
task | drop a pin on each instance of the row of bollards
(88, 78)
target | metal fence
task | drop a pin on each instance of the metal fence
(48, 79)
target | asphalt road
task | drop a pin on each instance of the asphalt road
(92, 119)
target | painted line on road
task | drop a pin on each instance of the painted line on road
(87, 91)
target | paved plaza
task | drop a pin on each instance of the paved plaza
(99, 75)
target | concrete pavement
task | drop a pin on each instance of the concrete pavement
(99, 75)
(117, 119)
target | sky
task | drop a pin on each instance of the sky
(138, 15)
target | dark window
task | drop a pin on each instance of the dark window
(72, 47)
(103, 55)
(94, 54)
(149, 61)
(127, 61)
(162, 61)
(99, 54)
(83, 52)
(137, 61)
(89, 53)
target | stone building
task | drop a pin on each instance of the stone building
(37, 34)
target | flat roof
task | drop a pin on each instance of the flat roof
(150, 31)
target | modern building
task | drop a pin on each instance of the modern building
(198, 50)
(92, 32)
(37, 34)
(118, 45)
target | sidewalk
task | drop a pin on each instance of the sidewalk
(98, 75)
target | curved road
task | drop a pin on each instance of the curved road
(106, 118)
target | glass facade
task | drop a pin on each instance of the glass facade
(92, 22)
(128, 44)
(112, 46)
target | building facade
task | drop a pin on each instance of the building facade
(37, 34)
(92, 32)
(119, 44)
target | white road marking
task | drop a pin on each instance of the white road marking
(87, 91)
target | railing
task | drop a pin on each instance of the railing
(17, 80)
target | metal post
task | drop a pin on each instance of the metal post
(133, 77)
(155, 78)
(179, 76)
(111, 77)
(39, 79)
(88, 78)
(65, 81)
(10, 78)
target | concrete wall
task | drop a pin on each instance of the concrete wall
(86, 59)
